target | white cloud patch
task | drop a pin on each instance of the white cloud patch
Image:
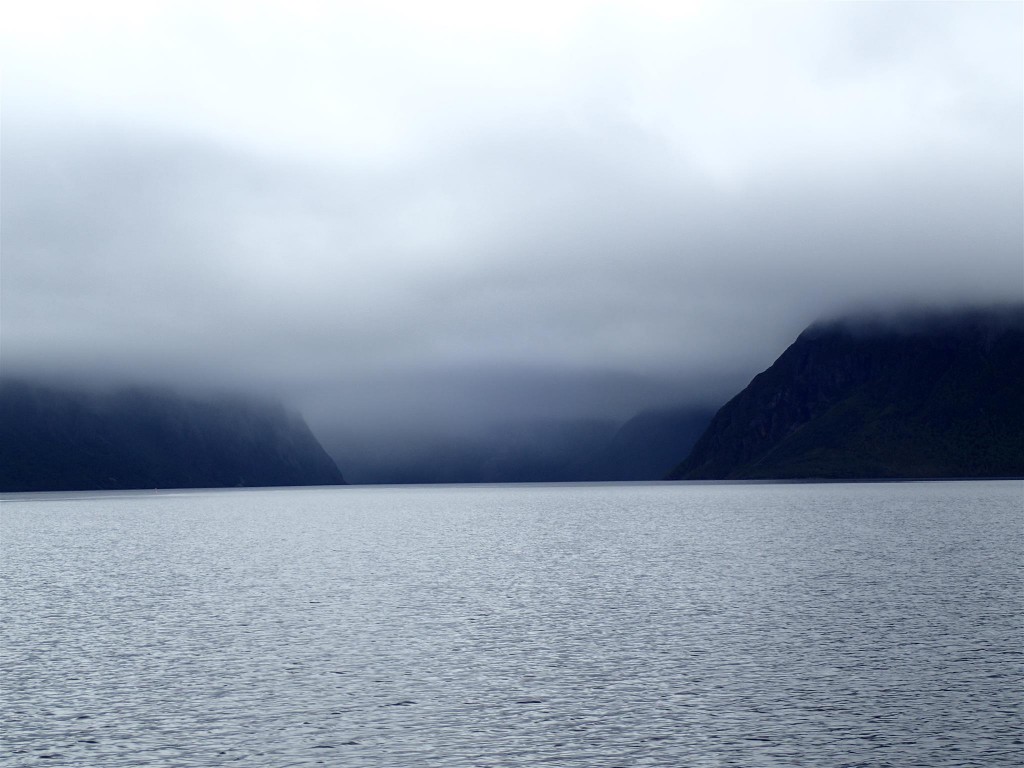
(323, 198)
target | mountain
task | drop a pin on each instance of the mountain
(55, 438)
(924, 396)
(647, 446)
(537, 450)
(528, 451)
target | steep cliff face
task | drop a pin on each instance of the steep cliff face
(924, 396)
(57, 438)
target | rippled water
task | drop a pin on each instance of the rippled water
(628, 625)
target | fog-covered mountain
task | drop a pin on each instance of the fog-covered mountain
(645, 447)
(648, 445)
(529, 450)
(928, 395)
(925, 395)
(59, 438)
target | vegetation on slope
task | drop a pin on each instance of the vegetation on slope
(923, 396)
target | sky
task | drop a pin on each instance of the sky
(389, 212)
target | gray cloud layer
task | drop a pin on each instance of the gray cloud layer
(378, 212)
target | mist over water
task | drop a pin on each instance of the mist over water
(725, 625)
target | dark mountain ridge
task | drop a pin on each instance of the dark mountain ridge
(925, 395)
(60, 438)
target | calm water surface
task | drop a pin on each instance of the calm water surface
(621, 625)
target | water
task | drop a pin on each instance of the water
(623, 625)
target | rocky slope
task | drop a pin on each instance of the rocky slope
(930, 395)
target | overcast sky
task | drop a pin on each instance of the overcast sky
(542, 203)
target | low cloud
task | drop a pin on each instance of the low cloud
(651, 219)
